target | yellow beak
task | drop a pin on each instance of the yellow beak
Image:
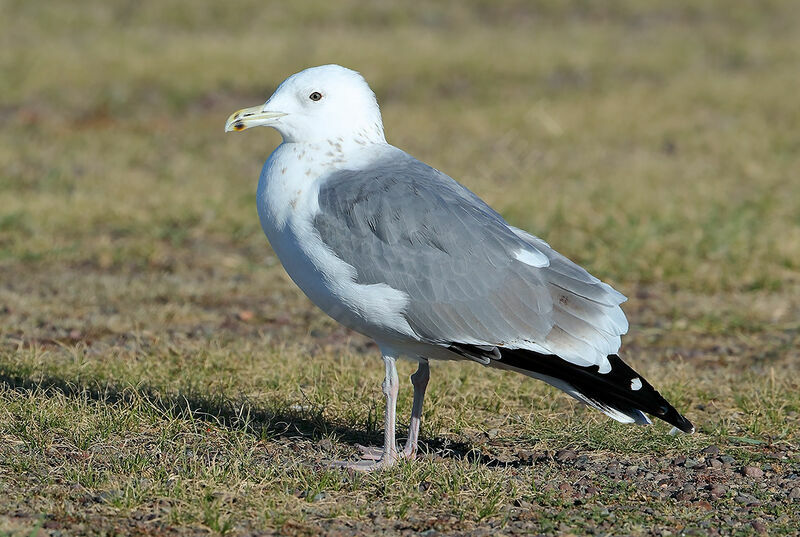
(251, 117)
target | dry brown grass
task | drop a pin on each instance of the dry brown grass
(160, 374)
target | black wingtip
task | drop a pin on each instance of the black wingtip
(649, 398)
(673, 417)
(621, 389)
(679, 420)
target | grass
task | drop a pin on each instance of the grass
(159, 373)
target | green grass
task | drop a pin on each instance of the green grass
(159, 373)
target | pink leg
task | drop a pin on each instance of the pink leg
(420, 382)
(388, 456)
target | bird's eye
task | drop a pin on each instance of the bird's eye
(316, 96)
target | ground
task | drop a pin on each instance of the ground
(160, 375)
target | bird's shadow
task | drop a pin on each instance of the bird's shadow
(262, 421)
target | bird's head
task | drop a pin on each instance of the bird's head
(329, 102)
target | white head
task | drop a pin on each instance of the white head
(322, 103)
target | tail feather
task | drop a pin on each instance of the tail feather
(621, 393)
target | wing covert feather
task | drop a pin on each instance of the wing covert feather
(405, 224)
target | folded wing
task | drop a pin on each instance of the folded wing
(470, 277)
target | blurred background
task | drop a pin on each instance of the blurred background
(653, 141)
(657, 143)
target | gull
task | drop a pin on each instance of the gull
(402, 253)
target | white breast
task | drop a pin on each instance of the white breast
(287, 204)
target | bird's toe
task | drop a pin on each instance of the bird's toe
(409, 453)
(370, 453)
(364, 465)
(372, 458)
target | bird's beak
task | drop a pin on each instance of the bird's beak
(251, 117)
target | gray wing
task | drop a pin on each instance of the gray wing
(470, 277)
